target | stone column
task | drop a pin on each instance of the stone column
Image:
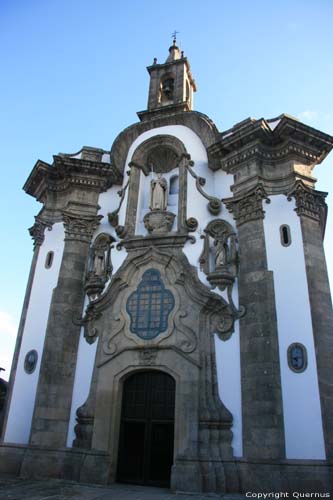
(311, 208)
(262, 413)
(37, 233)
(56, 378)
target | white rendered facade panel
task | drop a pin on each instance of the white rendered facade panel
(300, 392)
(25, 385)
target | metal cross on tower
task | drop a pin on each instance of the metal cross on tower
(174, 35)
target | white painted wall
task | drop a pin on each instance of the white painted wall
(24, 391)
(300, 393)
(229, 383)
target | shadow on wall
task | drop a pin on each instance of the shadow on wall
(3, 392)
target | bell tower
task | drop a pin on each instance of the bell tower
(171, 85)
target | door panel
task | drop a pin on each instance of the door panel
(147, 429)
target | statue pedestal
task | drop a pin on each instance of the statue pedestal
(221, 278)
(159, 221)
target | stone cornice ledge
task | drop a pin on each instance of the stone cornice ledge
(67, 171)
(272, 141)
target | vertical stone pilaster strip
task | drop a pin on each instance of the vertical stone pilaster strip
(182, 196)
(132, 202)
(56, 378)
(310, 206)
(37, 233)
(262, 411)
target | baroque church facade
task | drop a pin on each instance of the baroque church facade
(177, 324)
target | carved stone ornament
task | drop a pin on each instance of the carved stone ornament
(248, 206)
(309, 203)
(114, 216)
(219, 259)
(147, 356)
(214, 204)
(37, 231)
(99, 265)
(80, 227)
(159, 222)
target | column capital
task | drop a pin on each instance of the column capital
(37, 231)
(309, 202)
(248, 206)
(80, 227)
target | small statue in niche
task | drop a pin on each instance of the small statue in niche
(99, 265)
(220, 242)
(158, 193)
(221, 251)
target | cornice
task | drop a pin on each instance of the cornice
(271, 141)
(66, 172)
(257, 151)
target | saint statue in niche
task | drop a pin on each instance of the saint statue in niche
(221, 251)
(99, 262)
(158, 193)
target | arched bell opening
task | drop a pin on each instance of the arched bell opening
(146, 440)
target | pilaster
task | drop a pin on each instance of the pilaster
(311, 209)
(54, 394)
(263, 432)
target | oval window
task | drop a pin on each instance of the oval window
(285, 235)
(49, 259)
(297, 357)
(30, 361)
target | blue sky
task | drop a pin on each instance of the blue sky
(73, 74)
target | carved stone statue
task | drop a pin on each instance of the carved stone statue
(99, 266)
(221, 252)
(158, 193)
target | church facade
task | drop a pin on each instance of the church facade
(177, 324)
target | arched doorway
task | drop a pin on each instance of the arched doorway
(145, 453)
